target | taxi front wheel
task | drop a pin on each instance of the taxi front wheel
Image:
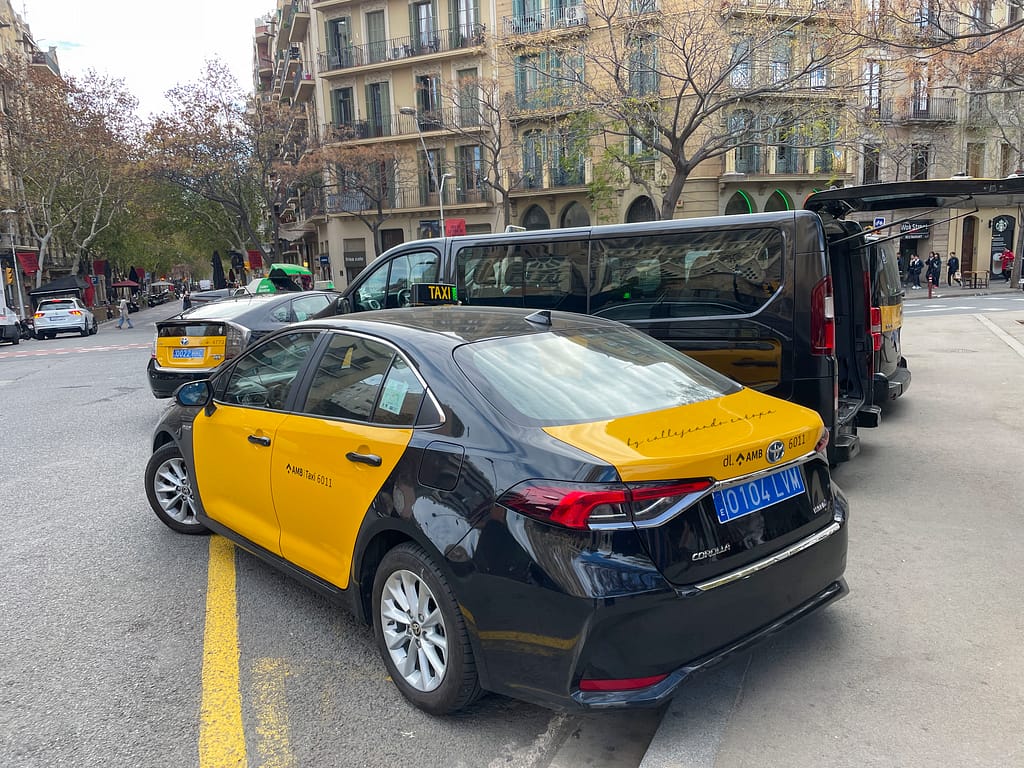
(170, 492)
(421, 634)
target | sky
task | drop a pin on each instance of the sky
(151, 46)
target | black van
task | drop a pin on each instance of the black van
(758, 297)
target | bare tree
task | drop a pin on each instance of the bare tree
(688, 83)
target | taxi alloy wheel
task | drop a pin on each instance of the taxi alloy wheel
(421, 634)
(169, 491)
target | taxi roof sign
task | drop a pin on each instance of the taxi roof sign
(432, 294)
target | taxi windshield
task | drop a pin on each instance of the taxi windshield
(222, 310)
(584, 376)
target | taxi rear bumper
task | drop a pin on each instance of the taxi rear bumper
(163, 381)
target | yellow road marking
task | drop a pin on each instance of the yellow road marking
(272, 716)
(221, 734)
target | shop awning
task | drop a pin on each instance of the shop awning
(29, 262)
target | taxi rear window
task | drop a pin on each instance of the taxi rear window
(194, 329)
(586, 375)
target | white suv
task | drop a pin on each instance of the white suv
(64, 315)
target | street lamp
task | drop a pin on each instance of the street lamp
(10, 213)
(430, 162)
(440, 198)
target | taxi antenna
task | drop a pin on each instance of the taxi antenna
(541, 317)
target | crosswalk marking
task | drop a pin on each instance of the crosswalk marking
(46, 351)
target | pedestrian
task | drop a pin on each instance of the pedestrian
(122, 308)
(1006, 263)
(934, 268)
(914, 268)
(186, 301)
(953, 269)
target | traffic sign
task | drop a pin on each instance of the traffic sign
(879, 222)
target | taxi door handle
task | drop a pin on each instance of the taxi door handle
(264, 441)
(364, 458)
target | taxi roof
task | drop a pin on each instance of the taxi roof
(230, 307)
(463, 324)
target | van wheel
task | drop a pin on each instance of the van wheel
(421, 634)
(170, 491)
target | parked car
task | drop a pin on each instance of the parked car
(64, 315)
(454, 476)
(191, 344)
(10, 328)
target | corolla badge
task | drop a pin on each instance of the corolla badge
(183, 341)
(775, 451)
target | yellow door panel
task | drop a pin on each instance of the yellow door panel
(721, 438)
(233, 472)
(321, 495)
(759, 368)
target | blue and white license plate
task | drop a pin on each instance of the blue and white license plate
(754, 495)
(188, 354)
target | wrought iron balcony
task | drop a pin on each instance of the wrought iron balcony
(544, 18)
(919, 110)
(398, 48)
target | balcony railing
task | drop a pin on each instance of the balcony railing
(913, 110)
(550, 176)
(398, 48)
(357, 201)
(450, 118)
(560, 17)
(782, 159)
(557, 97)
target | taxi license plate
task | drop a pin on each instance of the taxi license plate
(754, 495)
(187, 354)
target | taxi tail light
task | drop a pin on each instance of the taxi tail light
(823, 318)
(234, 342)
(582, 506)
(822, 444)
(620, 684)
(876, 328)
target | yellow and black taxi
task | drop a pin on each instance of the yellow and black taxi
(551, 506)
(192, 344)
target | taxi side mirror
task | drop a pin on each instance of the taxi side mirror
(194, 394)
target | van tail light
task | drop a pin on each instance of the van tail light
(876, 328)
(582, 506)
(823, 318)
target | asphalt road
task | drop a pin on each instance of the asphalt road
(104, 609)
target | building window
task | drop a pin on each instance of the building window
(872, 84)
(533, 159)
(424, 27)
(469, 173)
(643, 71)
(872, 163)
(469, 97)
(344, 111)
(976, 160)
(1007, 162)
(779, 66)
(919, 160)
(740, 75)
(428, 101)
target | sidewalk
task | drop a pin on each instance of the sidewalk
(943, 291)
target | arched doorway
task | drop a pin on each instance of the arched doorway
(779, 201)
(740, 203)
(641, 209)
(536, 218)
(575, 215)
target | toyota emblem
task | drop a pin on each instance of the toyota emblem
(775, 451)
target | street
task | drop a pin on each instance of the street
(105, 609)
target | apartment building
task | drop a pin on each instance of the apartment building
(481, 115)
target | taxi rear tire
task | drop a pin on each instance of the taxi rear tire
(421, 634)
(170, 491)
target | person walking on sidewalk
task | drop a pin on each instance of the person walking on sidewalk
(953, 269)
(1006, 263)
(122, 309)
